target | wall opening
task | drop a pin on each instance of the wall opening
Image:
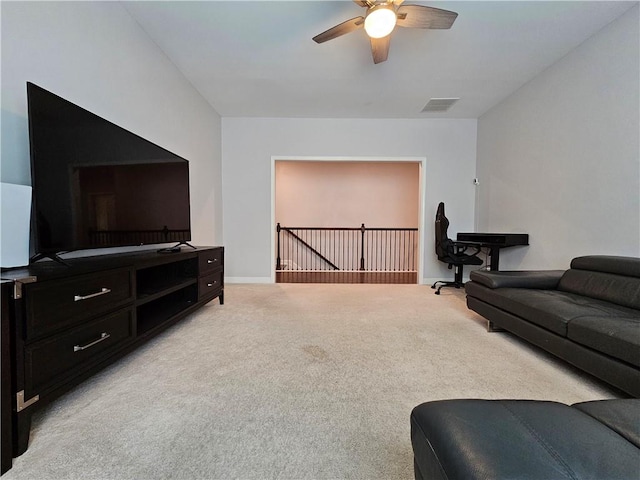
(347, 220)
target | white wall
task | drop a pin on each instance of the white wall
(95, 55)
(559, 158)
(248, 145)
(347, 194)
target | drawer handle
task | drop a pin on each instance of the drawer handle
(103, 291)
(212, 284)
(103, 337)
(209, 261)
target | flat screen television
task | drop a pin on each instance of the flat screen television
(97, 185)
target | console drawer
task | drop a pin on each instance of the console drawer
(209, 260)
(47, 360)
(210, 284)
(56, 304)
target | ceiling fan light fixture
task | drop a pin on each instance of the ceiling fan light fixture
(380, 21)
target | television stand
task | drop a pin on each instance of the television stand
(68, 323)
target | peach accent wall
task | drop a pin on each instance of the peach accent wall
(347, 194)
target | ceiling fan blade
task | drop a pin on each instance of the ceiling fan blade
(362, 3)
(380, 48)
(418, 16)
(397, 3)
(339, 30)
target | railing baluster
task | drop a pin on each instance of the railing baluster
(278, 264)
(362, 229)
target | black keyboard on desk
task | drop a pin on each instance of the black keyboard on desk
(495, 239)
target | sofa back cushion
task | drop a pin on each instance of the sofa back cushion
(612, 279)
(627, 266)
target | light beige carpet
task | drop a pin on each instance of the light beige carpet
(289, 381)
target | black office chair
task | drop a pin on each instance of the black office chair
(452, 253)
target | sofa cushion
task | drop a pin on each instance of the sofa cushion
(618, 289)
(550, 309)
(620, 415)
(523, 439)
(614, 335)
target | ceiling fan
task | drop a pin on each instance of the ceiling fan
(381, 18)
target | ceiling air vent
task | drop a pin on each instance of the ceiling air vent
(439, 104)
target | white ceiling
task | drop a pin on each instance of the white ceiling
(257, 59)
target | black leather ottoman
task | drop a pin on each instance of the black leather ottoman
(526, 439)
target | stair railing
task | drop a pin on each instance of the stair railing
(346, 249)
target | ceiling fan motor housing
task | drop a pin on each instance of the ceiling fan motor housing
(380, 20)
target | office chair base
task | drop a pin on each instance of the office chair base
(446, 284)
(457, 280)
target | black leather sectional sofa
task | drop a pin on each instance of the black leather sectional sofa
(588, 315)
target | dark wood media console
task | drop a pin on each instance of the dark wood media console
(69, 322)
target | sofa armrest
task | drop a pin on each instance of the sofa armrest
(538, 279)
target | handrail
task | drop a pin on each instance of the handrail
(383, 229)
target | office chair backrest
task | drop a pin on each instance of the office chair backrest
(444, 246)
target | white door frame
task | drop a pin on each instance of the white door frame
(421, 161)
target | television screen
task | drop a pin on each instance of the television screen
(98, 185)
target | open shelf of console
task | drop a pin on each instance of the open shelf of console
(155, 281)
(151, 315)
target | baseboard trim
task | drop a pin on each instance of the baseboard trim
(248, 280)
